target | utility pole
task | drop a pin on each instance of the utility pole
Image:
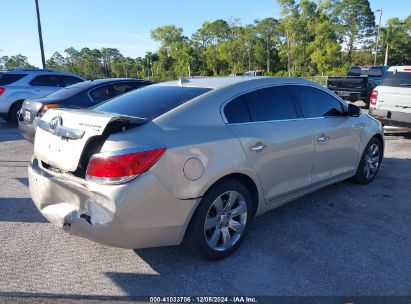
(377, 38)
(43, 60)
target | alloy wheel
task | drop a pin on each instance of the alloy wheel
(372, 161)
(225, 221)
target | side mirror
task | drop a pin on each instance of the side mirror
(353, 110)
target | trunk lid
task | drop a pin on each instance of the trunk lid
(65, 139)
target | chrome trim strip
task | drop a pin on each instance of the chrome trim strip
(309, 188)
(61, 131)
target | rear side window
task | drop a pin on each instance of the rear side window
(317, 103)
(151, 101)
(398, 79)
(236, 111)
(267, 104)
(6, 79)
(271, 104)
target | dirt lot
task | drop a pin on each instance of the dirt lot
(343, 240)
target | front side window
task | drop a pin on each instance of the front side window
(102, 93)
(317, 103)
(121, 88)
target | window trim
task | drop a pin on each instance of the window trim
(297, 105)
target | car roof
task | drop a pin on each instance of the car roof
(221, 82)
(97, 82)
(36, 71)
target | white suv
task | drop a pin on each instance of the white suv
(19, 84)
(390, 102)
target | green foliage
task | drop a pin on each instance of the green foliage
(312, 38)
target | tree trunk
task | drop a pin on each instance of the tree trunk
(386, 55)
(268, 59)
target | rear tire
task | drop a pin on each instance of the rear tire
(221, 221)
(370, 162)
(15, 108)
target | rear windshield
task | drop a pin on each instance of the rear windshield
(66, 92)
(8, 78)
(373, 72)
(150, 102)
(398, 79)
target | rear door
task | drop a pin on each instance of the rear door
(394, 93)
(277, 141)
(337, 136)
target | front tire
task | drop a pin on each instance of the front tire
(370, 162)
(221, 221)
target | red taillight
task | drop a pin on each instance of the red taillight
(373, 98)
(2, 90)
(109, 168)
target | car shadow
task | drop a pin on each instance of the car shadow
(19, 210)
(343, 239)
(9, 131)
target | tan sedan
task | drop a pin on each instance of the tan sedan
(196, 159)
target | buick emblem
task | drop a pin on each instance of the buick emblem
(55, 122)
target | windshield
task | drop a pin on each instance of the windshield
(398, 79)
(150, 102)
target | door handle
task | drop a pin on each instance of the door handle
(258, 147)
(323, 138)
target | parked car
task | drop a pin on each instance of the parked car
(81, 95)
(19, 84)
(358, 84)
(196, 159)
(390, 102)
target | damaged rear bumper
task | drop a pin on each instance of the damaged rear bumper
(141, 213)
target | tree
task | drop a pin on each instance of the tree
(393, 33)
(357, 23)
(268, 30)
(16, 61)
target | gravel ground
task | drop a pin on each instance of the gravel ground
(343, 240)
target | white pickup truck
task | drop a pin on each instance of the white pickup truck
(390, 102)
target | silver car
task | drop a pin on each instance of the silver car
(19, 84)
(196, 159)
